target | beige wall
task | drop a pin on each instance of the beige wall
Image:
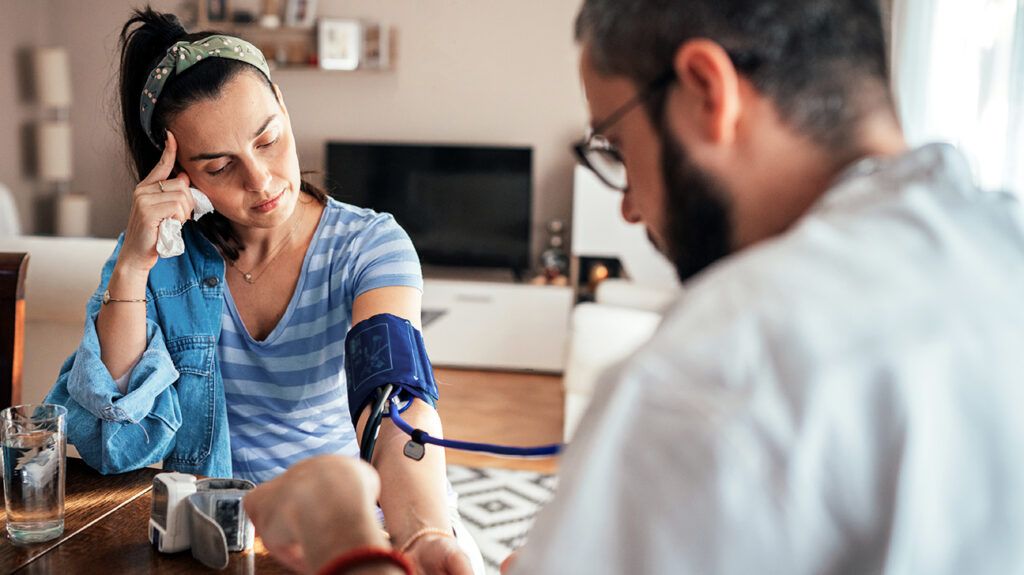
(468, 71)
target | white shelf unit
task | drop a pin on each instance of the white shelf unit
(496, 325)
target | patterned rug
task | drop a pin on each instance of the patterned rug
(498, 506)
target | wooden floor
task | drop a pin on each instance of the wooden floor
(501, 407)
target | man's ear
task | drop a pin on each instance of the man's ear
(710, 81)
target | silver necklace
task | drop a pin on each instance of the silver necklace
(248, 275)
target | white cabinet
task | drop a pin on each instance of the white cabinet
(496, 325)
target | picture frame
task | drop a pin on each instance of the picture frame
(376, 47)
(300, 13)
(339, 44)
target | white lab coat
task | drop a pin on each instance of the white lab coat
(844, 398)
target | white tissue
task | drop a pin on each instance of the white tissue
(203, 205)
(168, 239)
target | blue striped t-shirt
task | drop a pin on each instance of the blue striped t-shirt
(286, 395)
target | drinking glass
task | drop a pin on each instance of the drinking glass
(34, 445)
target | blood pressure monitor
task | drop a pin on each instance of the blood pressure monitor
(169, 518)
(205, 515)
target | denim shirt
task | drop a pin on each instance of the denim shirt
(174, 409)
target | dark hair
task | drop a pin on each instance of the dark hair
(821, 62)
(145, 39)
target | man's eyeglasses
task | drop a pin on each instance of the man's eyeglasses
(597, 154)
(601, 157)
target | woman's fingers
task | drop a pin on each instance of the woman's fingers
(183, 180)
(163, 168)
(164, 190)
(158, 214)
(176, 204)
(156, 198)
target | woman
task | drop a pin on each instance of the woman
(228, 360)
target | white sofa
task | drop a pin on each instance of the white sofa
(62, 274)
(625, 312)
(604, 332)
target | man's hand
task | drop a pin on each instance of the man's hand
(506, 565)
(317, 510)
(437, 555)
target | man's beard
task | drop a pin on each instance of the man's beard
(697, 228)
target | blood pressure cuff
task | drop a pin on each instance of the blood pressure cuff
(382, 350)
(218, 520)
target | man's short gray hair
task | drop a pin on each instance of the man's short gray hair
(822, 62)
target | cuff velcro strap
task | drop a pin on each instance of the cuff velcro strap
(386, 349)
(218, 520)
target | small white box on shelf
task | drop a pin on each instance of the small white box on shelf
(354, 45)
(340, 44)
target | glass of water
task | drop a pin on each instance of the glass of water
(34, 445)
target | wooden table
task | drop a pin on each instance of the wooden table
(106, 528)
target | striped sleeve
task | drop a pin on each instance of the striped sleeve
(385, 257)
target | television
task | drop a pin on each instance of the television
(461, 205)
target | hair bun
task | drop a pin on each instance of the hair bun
(144, 41)
(148, 33)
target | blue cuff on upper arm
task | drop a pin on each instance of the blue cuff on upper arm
(386, 349)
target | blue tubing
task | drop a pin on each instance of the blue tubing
(423, 437)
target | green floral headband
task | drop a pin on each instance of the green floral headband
(184, 55)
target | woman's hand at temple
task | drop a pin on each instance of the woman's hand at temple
(122, 327)
(156, 198)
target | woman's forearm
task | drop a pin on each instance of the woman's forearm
(414, 494)
(121, 326)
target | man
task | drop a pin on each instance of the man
(837, 389)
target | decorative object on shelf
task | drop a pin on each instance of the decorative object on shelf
(339, 44)
(270, 16)
(598, 273)
(217, 10)
(345, 44)
(300, 13)
(73, 215)
(53, 151)
(554, 262)
(294, 40)
(593, 271)
(52, 79)
(51, 72)
(300, 54)
(376, 47)
(243, 17)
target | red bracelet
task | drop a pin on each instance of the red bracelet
(363, 555)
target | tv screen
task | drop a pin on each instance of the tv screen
(461, 205)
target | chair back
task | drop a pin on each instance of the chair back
(13, 267)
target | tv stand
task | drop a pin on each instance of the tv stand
(504, 275)
(490, 324)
